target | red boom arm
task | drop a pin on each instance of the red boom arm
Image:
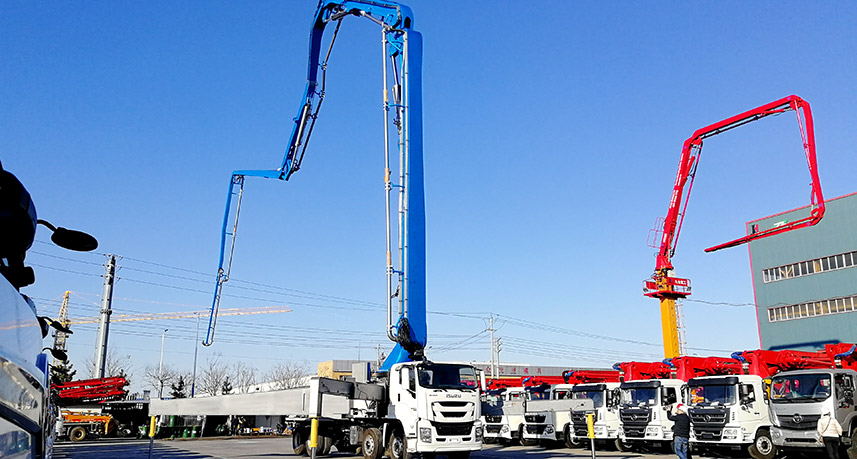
(686, 170)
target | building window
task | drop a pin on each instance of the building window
(805, 268)
(813, 309)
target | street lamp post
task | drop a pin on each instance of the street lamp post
(161, 366)
(195, 351)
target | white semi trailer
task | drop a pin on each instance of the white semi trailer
(423, 408)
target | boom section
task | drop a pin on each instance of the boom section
(691, 150)
(402, 114)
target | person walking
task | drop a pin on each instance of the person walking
(681, 431)
(830, 431)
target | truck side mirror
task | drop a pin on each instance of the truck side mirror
(746, 394)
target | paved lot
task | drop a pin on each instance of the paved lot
(272, 448)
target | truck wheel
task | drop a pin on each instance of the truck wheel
(762, 447)
(622, 446)
(398, 446)
(324, 445)
(570, 441)
(525, 441)
(370, 444)
(77, 433)
(299, 442)
(852, 450)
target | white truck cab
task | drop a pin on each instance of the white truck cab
(606, 400)
(548, 421)
(433, 408)
(730, 412)
(643, 414)
(797, 401)
(503, 414)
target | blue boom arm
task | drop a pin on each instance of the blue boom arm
(404, 44)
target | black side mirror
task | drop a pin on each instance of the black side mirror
(58, 354)
(71, 239)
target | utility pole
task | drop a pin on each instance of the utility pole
(104, 325)
(493, 347)
(161, 367)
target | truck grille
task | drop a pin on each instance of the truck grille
(635, 416)
(493, 428)
(708, 433)
(535, 418)
(799, 421)
(579, 422)
(452, 410)
(535, 428)
(452, 428)
(494, 419)
(709, 416)
(634, 431)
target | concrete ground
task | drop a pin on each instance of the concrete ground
(272, 448)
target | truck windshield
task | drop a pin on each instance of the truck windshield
(596, 396)
(561, 394)
(644, 396)
(801, 388)
(434, 376)
(712, 395)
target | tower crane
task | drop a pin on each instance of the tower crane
(664, 285)
(402, 112)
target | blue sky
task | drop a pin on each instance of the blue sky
(552, 135)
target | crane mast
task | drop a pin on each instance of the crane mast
(402, 113)
(664, 285)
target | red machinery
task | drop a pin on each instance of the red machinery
(590, 376)
(768, 363)
(635, 371)
(687, 367)
(90, 390)
(663, 285)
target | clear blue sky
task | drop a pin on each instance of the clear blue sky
(552, 135)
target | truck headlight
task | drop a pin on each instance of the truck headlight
(599, 430)
(478, 430)
(731, 434)
(425, 434)
(549, 429)
(505, 428)
(775, 420)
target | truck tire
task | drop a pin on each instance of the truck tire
(762, 447)
(570, 442)
(299, 441)
(622, 446)
(324, 445)
(370, 444)
(398, 446)
(77, 433)
(525, 441)
(852, 450)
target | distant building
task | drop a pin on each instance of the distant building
(805, 281)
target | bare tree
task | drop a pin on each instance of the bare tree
(156, 379)
(213, 375)
(244, 376)
(114, 365)
(287, 375)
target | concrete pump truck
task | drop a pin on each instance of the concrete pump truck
(414, 406)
